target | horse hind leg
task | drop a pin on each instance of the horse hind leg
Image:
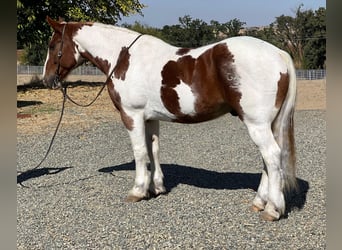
(270, 197)
(260, 199)
(152, 142)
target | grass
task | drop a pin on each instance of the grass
(39, 109)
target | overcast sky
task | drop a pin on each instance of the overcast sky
(254, 12)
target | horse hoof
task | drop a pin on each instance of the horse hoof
(156, 190)
(268, 217)
(133, 198)
(255, 208)
(159, 190)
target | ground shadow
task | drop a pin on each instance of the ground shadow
(204, 178)
(82, 83)
(36, 173)
(21, 104)
(39, 85)
(33, 84)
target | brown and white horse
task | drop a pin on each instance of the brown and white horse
(152, 81)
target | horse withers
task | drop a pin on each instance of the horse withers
(151, 81)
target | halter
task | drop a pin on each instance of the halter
(56, 81)
(59, 55)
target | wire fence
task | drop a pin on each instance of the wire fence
(38, 70)
(302, 74)
(310, 74)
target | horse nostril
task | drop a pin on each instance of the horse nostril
(46, 84)
(48, 81)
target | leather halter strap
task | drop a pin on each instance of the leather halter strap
(59, 55)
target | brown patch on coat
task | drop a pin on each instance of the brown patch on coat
(186, 66)
(122, 64)
(172, 75)
(212, 79)
(67, 61)
(171, 100)
(182, 51)
(227, 75)
(116, 99)
(283, 86)
(101, 64)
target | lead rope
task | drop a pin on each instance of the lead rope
(54, 134)
(65, 97)
(104, 84)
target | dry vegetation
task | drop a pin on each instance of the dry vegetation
(38, 108)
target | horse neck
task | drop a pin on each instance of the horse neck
(101, 44)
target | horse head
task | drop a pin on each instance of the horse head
(62, 55)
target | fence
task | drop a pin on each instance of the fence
(310, 74)
(38, 70)
(302, 74)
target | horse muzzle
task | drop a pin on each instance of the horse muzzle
(52, 82)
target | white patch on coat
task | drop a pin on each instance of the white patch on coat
(47, 59)
(186, 99)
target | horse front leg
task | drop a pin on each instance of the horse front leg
(142, 175)
(152, 141)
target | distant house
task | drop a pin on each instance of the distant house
(244, 31)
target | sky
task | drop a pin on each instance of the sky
(254, 12)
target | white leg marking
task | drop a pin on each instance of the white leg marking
(142, 177)
(152, 141)
(261, 197)
(263, 137)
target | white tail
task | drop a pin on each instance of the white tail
(283, 130)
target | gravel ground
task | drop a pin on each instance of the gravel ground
(76, 199)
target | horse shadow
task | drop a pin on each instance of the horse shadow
(203, 178)
(36, 173)
(21, 104)
(38, 84)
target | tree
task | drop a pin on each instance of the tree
(227, 29)
(144, 29)
(302, 36)
(195, 32)
(189, 33)
(291, 34)
(315, 47)
(33, 31)
(265, 33)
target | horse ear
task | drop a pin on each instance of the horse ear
(54, 24)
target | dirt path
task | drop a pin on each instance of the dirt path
(38, 109)
(311, 95)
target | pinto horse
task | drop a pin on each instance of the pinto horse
(151, 81)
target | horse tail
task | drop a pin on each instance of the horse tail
(283, 130)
